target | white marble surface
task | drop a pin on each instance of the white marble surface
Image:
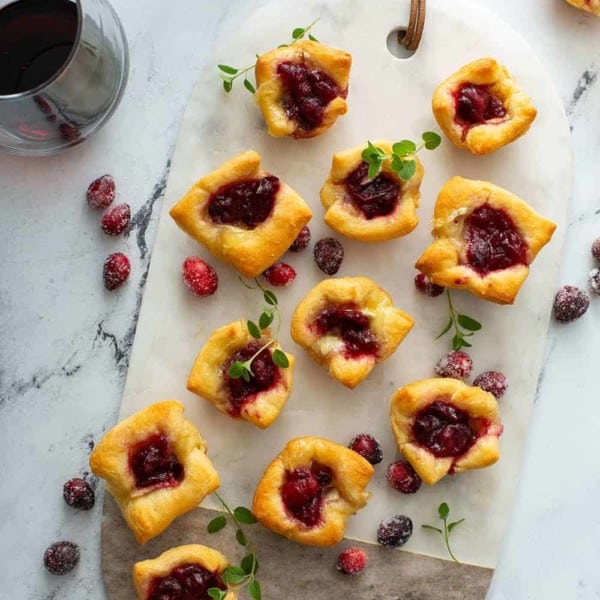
(64, 342)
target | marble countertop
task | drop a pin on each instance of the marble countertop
(65, 342)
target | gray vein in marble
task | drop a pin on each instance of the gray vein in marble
(585, 82)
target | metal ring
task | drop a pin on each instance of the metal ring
(411, 38)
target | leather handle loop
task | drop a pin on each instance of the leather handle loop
(411, 38)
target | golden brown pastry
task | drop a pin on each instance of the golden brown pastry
(242, 214)
(302, 88)
(370, 210)
(191, 569)
(155, 466)
(259, 400)
(443, 426)
(481, 107)
(485, 238)
(591, 6)
(308, 492)
(348, 325)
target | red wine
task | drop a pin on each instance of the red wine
(36, 39)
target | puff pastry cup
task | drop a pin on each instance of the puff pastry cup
(192, 567)
(155, 466)
(370, 210)
(591, 6)
(443, 426)
(481, 108)
(302, 89)
(485, 240)
(348, 325)
(258, 401)
(308, 492)
(242, 214)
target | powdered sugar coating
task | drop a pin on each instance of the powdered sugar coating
(101, 192)
(115, 220)
(570, 303)
(395, 531)
(61, 557)
(596, 249)
(302, 241)
(200, 278)
(116, 270)
(280, 274)
(594, 281)
(352, 561)
(329, 254)
(493, 382)
(457, 364)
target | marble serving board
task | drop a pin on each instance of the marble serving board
(389, 98)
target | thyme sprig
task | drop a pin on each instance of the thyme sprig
(457, 321)
(444, 513)
(229, 74)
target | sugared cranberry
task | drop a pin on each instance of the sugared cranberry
(570, 303)
(476, 104)
(427, 287)
(457, 364)
(280, 274)
(116, 270)
(352, 561)
(395, 531)
(375, 197)
(154, 464)
(199, 276)
(244, 203)
(115, 220)
(596, 249)
(493, 382)
(402, 477)
(368, 447)
(101, 192)
(188, 581)
(444, 429)
(329, 254)
(493, 241)
(307, 91)
(594, 281)
(302, 241)
(61, 557)
(78, 493)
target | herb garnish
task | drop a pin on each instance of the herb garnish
(241, 369)
(457, 321)
(245, 574)
(401, 161)
(443, 513)
(229, 74)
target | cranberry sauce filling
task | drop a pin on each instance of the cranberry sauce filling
(304, 490)
(244, 203)
(186, 582)
(475, 104)
(374, 198)
(444, 429)
(154, 464)
(352, 325)
(307, 91)
(493, 241)
(266, 374)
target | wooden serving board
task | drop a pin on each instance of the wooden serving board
(389, 98)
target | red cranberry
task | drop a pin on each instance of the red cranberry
(395, 531)
(352, 561)
(368, 447)
(427, 287)
(199, 276)
(69, 132)
(570, 303)
(101, 192)
(457, 364)
(116, 270)
(244, 203)
(79, 494)
(594, 281)
(189, 581)
(61, 557)
(154, 464)
(402, 477)
(596, 249)
(329, 254)
(493, 241)
(476, 104)
(375, 197)
(302, 241)
(115, 220)
(301, 487)
(280, 274)
(493, 382)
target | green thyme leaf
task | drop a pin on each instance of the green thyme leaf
(445, 330)
(397, 163)
(227, 85)
(409, 168)
(236, 370)
(249, 86)
(254, 330)
(432, 140)
(283, 45)
(241, 538)
(270, 297)
(216, 593)
(443, 510)
(280, 359)
(298, 33)
(249, 564)
(469, 323)
(466, 344)
(432, 528)
(374, 168)
(227, 69)
(451, 526)
(254, 590)
(443, 513)
(216, 524)
(244, 515)
(404, 148)
(457, 342)
(246, 375)
(233, 575)
(312, 38)
(265, 320)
